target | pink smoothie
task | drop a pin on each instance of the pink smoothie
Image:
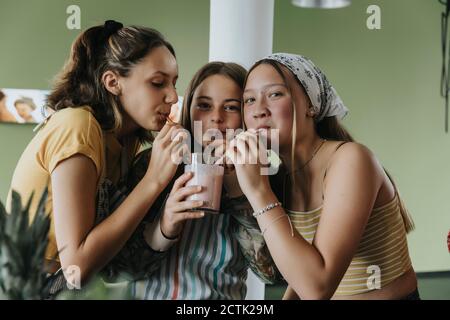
(210, 177)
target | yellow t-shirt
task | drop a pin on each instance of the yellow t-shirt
(67, 132)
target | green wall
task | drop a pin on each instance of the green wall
(35, 42)
(388, 78)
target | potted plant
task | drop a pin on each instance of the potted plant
(22, 250)
(22, 258)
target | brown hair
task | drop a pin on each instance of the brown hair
(231, 70)
(328, 128)
(2, 95)
(95, 51)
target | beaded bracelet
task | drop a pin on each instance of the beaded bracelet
(264, 210)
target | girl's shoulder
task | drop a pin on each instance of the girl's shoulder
(67, 132)
(75, 115)
(354, 168)
(350, 149)
(351, 155)
(74, 119)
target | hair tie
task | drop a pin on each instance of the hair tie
(110, 27)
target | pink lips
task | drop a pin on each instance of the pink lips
(163, 116)
(262, 128)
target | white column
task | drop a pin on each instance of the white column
(241, 31)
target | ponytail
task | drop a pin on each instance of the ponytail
(97, 50)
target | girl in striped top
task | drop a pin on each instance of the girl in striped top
(199, 256)
(331, 206)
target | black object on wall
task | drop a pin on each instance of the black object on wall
(445, 58)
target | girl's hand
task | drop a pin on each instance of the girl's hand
(216, 154)
(165, 156)
(177, 208)
(249, 155)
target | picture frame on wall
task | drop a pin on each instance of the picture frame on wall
(23, 105)
(28, 106)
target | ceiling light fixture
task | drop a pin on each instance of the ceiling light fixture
(322, 4)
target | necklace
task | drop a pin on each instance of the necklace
(301, 168)
(312, 157)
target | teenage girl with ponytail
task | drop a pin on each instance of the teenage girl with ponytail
(117, 86)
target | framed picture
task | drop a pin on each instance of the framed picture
(28, 106)
(23, 105)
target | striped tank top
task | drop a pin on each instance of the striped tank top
(382, 255)
(206, 263)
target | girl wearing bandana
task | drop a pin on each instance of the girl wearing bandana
(332, 217)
